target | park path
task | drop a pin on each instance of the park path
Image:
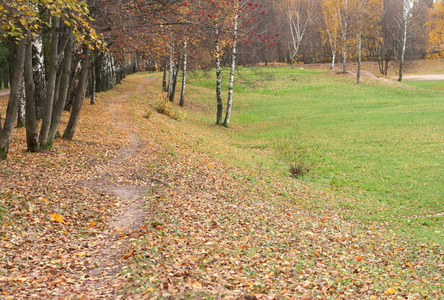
(189, 225)
(4, 93)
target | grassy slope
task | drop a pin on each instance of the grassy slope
(382, 144)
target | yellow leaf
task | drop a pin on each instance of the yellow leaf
(92, 224)
(57, 218)
(149, 290)
(390, 291)
(81, 254)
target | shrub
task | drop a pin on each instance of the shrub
(301, 159)
(165, 107)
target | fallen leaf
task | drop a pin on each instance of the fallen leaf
(359, 257)
(390, 291)
(129, 254)
(57, 218)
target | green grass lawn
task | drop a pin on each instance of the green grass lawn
(380, 145)
(437, 85)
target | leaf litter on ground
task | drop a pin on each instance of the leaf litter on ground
(202, 231)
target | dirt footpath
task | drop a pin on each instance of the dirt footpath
(424, 77)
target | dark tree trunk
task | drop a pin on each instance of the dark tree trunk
(52, 76)
(11, 112)
(220, 106)
(176, 72)
(164, 78)
(92, 86)
(59, 104)
(72, 84)
(32, 136)
(80, 95)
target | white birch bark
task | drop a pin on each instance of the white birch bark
(220, 106)
(184, 73)
(171, 73)
(232, 70)
(406, 18)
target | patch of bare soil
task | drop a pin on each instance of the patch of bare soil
(424, 77)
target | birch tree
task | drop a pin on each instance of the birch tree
(300, 15)
(331, 30)
(404, 20)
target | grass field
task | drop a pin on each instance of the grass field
(437, 85)
(380, 145)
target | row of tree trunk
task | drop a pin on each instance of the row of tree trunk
(40, 92)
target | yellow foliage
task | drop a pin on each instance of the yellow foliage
(165, 107)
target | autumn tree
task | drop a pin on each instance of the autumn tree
(300, 16)
(331, 29)
(24, 21)
(436, 30)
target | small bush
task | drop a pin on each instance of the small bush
(301, 159)
(165, 107)
(147, 114)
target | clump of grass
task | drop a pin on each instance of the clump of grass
(148, 114)
(165, 107)
(301, 159)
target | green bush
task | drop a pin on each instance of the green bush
(301, 159)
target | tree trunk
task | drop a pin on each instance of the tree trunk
(171, 73)
(60, 102)
(233, 68)
(220, 106)
(344, 37)
(14, 96)
(80, 95)
(52, 74)
(32, 136)
(358, 38)
(39, 76)
(403, 46)
(164, 78)
(21, 107)
(184, 74)
(92, 86)
(176, 72)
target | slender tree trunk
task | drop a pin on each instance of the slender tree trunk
(164, 78)
(80, 95)
(403, 46)
(11, 112)
(52, 74)
(39, 76)
(92, 86)
(184, 73)
(220, 106)
(176, 73)
(60, 102)
(171, 73)
(233, 68)
(344, 37)
(21, 114)
(32, 136)
(358, 38)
